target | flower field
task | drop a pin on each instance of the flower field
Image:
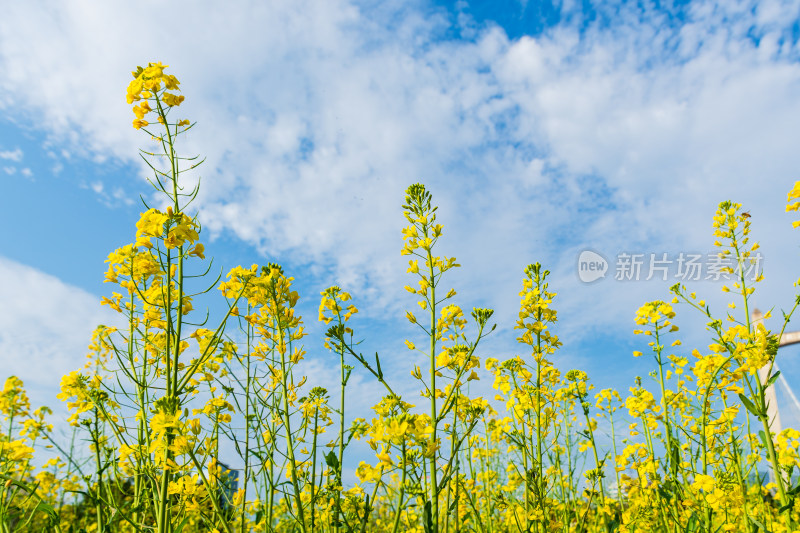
(160, 396)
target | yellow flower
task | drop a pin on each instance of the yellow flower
(150, 224)
(134, 90)
(16, 450)
(385, 459)
(147, 83)
(367, 473)
(430, 448)
(703, 482)
(198, 251)
(793, 195)
(185, 230)
(13, 400)
(142, 109)
(161, 421)
(172, 100)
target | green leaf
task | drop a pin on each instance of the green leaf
(445, 479)
(367, 510)
(180, 527)
(772, 379)
(378, 365)
(758, 524)
(49, 510)
(331, 460)
(674, 459)
(749, 405)
(763, 439)
(11, 481)
(427, 518)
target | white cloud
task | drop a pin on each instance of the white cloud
(11, 155)
(316, 117)
(45, 328)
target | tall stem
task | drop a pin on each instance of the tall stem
(434, 485)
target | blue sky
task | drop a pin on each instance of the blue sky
(541, 129)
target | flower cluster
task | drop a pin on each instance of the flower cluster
(150, 85)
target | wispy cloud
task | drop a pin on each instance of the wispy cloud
(11, 155)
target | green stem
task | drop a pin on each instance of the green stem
(434, 485)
